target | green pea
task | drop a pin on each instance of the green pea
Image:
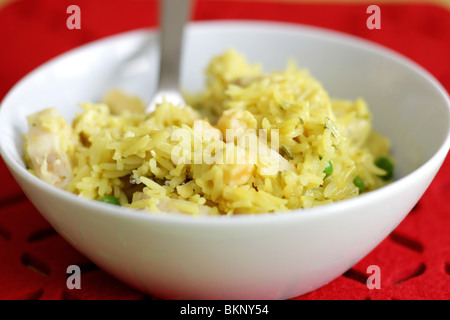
(110, 200)
(359, 183)
(328, 169)
(387, 165)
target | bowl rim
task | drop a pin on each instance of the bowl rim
(260, 218)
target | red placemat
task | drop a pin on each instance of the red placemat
(414, 260)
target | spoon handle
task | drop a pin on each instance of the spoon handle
(173, 16)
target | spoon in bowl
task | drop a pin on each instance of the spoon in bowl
(173, 16)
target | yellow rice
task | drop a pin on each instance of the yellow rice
(117, 149)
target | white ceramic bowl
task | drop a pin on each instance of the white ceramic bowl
(269, 256)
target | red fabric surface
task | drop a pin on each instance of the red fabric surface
(414, 260)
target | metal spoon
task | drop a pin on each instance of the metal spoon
(173, 16)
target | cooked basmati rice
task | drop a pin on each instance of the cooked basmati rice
(182, 159)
